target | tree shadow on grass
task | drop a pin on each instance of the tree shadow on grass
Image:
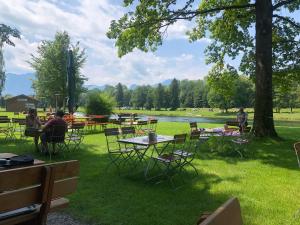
(277, 152)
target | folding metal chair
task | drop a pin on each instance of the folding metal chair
(117, 155)
(76, 135)
(171, 162)
(297, 151)
(55, 136)
(193, 126)
(152, 125)
(5, 128)
(129, 132)
(187, 154)
(140, 127)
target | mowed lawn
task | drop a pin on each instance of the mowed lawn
(266, 182)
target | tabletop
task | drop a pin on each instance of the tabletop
(144, 140)
(9, 155)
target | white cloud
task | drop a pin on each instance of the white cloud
(87, 21)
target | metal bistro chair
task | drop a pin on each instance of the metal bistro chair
(140, 127)
(193, 126)
(116, 154)
(297, 151)
(187, 153)
(171, 162)
(18, 127)
(129, 132)
(5, 127)
(55, 136)
(152, 125)
(76, 135)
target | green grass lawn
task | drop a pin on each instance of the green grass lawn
(284, 115)
(266, 182)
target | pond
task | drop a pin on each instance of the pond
(183, 119)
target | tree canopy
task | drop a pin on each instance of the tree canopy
(50, 65)
(255, 30)
(6, 32)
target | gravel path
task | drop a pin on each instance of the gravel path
(62, 219)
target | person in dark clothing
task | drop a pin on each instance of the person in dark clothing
(33, 125)
(58, 125)
(242, 118)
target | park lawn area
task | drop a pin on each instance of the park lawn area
(284, 115)
(266, 182)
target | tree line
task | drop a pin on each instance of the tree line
(239, 91)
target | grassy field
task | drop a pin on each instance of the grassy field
(266, 183)
(284, 115)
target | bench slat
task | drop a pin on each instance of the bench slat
(56, 204)
(64, 187)
(20, 198)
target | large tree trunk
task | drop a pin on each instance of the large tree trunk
(263, 112)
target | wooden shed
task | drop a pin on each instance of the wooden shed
(20, 103)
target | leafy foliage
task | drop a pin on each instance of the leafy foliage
(119, 95)
(174, 95)
(51, 68)
(6, 32)
(99, 103)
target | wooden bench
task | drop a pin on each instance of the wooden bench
(227, 214)
(27, 194)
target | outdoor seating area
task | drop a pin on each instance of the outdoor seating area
(152, 156)
(149, 112)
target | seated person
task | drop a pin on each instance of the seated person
(242, 118)
(55, 127)
(33, 125)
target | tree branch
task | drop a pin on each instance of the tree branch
(217, 9)
(282, 3)
(287, 20)
(189, 15)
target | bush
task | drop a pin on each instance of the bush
(99, 104)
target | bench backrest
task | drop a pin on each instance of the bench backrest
(228, 214)
(30, 185)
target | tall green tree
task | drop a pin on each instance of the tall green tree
(139, 96)
(159, 96)
(228, 23)
(119, 95)
(6, 32)
(222, 83)
(50, 65)
(174, 94)
(200, 94)
(149, 99)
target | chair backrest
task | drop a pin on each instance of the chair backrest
(56, 133)
(77, 126)
(112, 136)
(228, 214)
(142, 122)
(297, 151)
(193, 126)
(38, 185)
(111, 132)
(153, 124)
(232, 123)
(127, 130)
(179, 138)
(4, 120)
(195, 135)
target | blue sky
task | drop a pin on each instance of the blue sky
(87, 21)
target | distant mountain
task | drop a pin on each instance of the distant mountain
(17, 84)
(166, 82)
(91, 87)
